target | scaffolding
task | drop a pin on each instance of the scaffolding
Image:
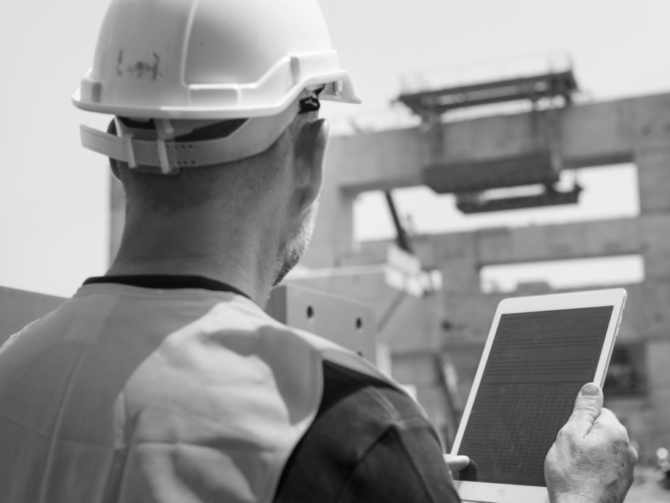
(548, 95)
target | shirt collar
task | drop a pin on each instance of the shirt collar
(167, 282)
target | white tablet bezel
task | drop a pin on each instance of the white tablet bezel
(486, 492)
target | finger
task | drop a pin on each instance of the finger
(607, 421)
(607, 417)
(588, 407)
(456, 463)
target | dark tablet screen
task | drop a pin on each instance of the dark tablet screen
(537, 365)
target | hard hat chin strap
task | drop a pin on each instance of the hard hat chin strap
(164, 155)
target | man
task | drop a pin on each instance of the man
(164, 380)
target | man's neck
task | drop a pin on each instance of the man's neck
(241, 260)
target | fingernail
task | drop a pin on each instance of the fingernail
(590, 389)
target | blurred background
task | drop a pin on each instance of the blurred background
(503, 148)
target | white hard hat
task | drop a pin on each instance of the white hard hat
(207, 60)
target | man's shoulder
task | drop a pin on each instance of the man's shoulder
(374, 400)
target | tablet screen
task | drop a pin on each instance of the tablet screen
(537, 364)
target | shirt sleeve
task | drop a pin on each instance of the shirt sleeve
(405, 464)
(368, 443)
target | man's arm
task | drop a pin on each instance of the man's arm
(405, 464)
(592, 460)
(369, 442)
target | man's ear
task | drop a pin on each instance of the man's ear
(309, 155)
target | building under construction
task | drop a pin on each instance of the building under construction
(434, 342)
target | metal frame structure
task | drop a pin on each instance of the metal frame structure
(548, 94)
(534, 88)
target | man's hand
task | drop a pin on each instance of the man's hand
(592, 459)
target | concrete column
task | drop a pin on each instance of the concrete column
(658, 356)
(653, 164)
(458, 259)
(656, 246)
(654, 179)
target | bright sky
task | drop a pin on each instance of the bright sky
(53, 193)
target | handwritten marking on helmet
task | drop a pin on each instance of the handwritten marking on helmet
(139, 69)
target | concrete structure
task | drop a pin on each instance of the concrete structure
(429, 338)
(453, 325)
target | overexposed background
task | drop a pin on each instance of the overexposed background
(54, 194)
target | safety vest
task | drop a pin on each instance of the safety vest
(128, 394)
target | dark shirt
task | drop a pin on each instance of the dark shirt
(368, 443)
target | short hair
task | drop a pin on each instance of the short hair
(244, 179)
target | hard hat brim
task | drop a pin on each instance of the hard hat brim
(339, 88)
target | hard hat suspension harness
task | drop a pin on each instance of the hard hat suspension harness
(169, 146)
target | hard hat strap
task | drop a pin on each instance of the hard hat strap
(164, 131)
(127, 138)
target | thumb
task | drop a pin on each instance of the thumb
(456, 463)
(588, 405)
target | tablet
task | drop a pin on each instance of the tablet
(539, 353)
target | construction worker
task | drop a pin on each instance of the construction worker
(164, 381)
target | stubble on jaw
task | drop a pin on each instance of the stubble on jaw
(295, 246)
